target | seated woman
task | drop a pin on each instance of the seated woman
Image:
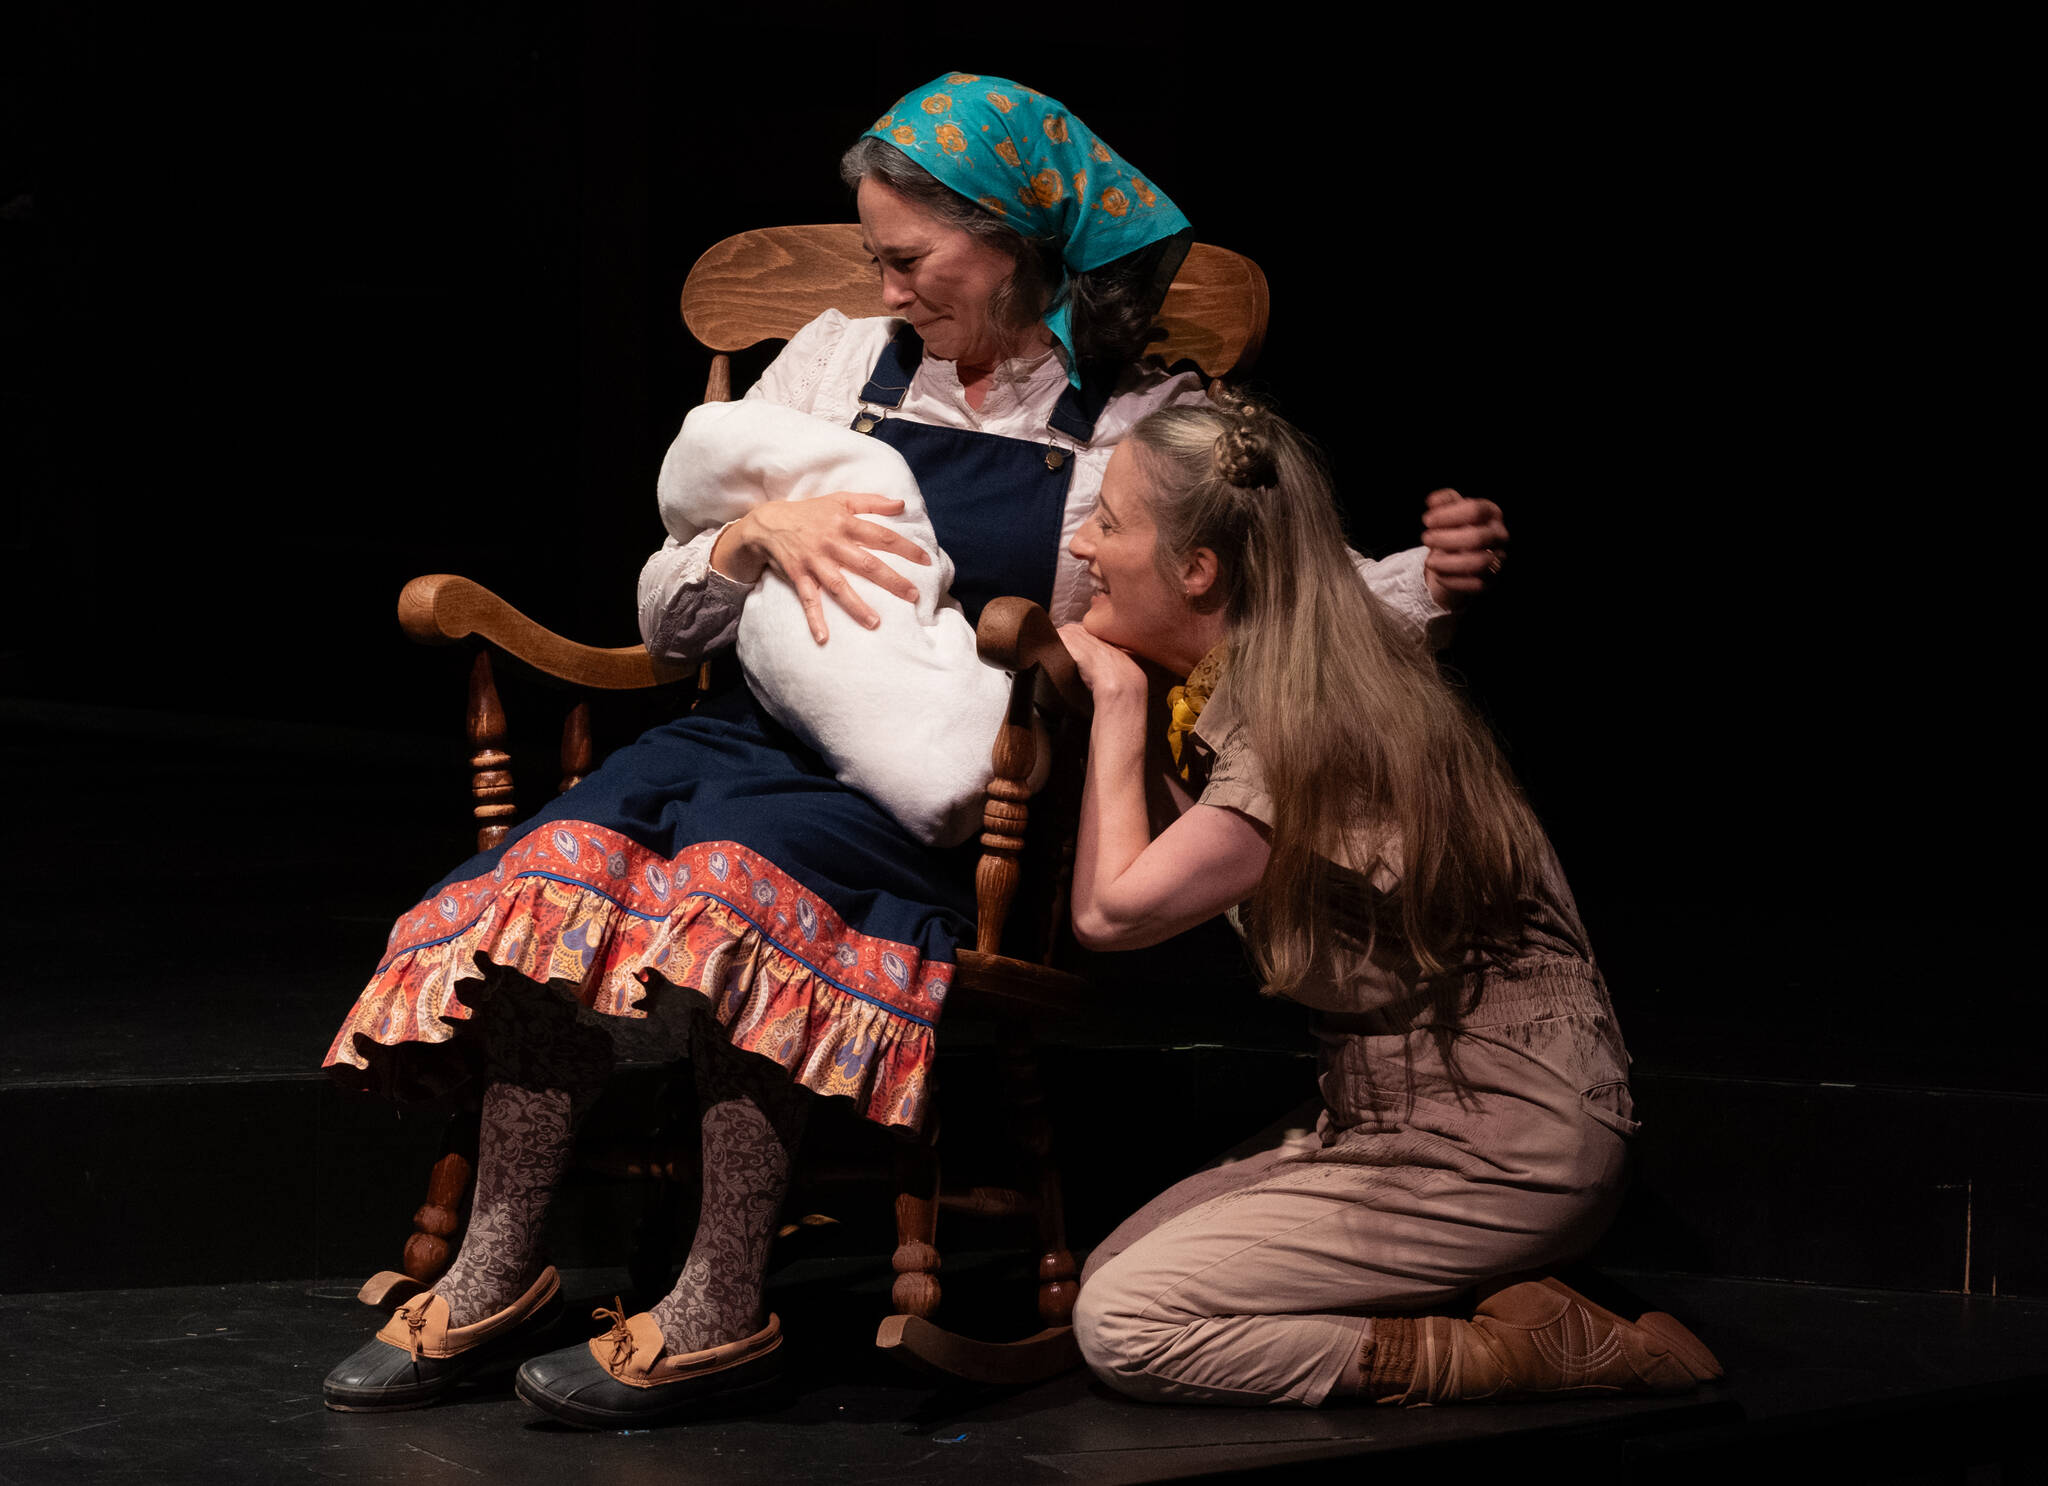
(714, 886)
(1475, 1093)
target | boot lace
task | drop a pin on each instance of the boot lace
(620, 1338)
(415, 1317)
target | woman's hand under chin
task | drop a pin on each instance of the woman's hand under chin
(1109, 673)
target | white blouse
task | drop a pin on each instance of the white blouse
(688, 608)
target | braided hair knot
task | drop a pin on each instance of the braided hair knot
(1244, 449)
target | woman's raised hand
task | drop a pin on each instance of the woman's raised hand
(1467, 540)
(1105, 670)
(815, 544)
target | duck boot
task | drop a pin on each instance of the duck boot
(417, 1357)
(627, 1377)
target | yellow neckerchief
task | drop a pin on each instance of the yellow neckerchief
(1187, 700)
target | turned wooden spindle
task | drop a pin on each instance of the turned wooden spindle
(576, 757)
(491, 779)
(1004, 817)
(718, 387)
(916, 1260)
(1058, 1275)
(1059, 1284)
(435, 1224)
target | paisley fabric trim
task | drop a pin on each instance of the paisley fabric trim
(578, 904)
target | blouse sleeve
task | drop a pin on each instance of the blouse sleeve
(1398, 581)
(687, 607)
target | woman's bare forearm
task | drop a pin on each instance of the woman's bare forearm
(1132, 889)
(1114, 828)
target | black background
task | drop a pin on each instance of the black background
(301, 305)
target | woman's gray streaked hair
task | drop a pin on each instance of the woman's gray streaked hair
(1111, 307)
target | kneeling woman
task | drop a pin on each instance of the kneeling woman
(1474, 1085)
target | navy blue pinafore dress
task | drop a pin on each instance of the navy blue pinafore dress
(719, 854)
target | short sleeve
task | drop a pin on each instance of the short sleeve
(1236, 782)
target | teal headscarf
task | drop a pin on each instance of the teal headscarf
(1026, 158)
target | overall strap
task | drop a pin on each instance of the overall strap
(890, 380)
(1079, 407)
(996, 503)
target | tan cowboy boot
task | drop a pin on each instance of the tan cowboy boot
(1542, 1336)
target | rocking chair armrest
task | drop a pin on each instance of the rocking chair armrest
(1017, 634)
(440, 609)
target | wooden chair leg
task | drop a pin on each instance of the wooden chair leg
(910, 1335)
(916, 1261)
(1058, 1275)
(438, 1223)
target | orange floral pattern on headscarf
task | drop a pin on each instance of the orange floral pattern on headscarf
(1027, 157)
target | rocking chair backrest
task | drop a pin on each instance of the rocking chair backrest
(769, 283)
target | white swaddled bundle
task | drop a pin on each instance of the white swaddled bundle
(905, 712)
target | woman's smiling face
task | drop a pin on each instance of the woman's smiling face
(937, 276)
(1134, 605)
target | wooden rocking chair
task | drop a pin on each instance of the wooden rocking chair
(765, 285)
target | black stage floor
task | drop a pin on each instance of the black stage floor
(220, 1384)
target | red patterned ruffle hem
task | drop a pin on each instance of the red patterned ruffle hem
(845, 1013)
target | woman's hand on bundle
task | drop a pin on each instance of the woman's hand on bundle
(815, 544)
(1109, 673)
(1467, 542)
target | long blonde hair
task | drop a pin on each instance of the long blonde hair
(1341, 706)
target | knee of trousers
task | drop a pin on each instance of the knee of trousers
(1118, 1341)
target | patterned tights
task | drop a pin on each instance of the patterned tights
(753, 1119)
(524, 1146)
(544, 1069)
